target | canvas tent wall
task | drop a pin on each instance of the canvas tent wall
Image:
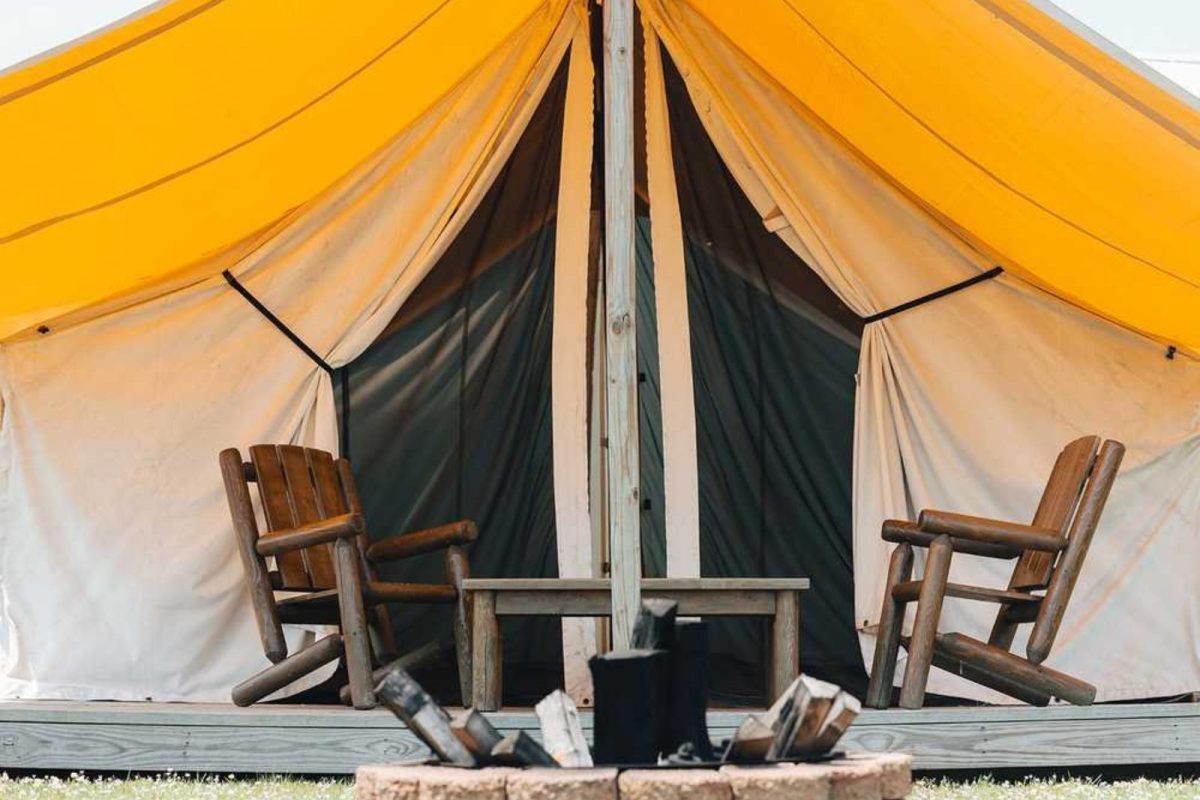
(110, 425)
(892, 177)
(883, 171)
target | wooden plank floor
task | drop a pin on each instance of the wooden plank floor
(324, 739)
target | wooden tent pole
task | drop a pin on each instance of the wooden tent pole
(624, 506)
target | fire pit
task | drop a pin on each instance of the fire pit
(651, 739)
(858, 776)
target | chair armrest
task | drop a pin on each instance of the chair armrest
(320, 532)
(414, 544)
(897, 530)
(991, 531)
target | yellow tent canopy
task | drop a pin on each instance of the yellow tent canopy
(1053, 158)
(155, 146)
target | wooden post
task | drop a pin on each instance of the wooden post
(624, 504)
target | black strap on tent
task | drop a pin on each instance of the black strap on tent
(940, 293)
(344, 422)
(277, 322)
(344, 425)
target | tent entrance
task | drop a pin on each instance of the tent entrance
(450, 411)
(774, 357)
(450, 406)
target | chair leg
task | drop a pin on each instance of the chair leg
(379, 620)
(887, 639)
(423, 656)
(458, 569)
(929, 610)
(383, 641)
(1004, 630)
(354, 623)
(295, 666)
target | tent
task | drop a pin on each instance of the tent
(410, 192)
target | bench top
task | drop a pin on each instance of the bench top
(551, 585)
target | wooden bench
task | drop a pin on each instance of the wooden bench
(491, 598)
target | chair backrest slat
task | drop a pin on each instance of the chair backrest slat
(305, 509)
(277, 508)
(349, 487)
(1056, 509)
(1066, 571)
(329, 490)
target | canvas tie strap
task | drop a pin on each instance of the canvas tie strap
(344, 372)
(936, 295)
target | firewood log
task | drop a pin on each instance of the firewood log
(424, 717)
(520, 750)
(476, 733)
(562, 733)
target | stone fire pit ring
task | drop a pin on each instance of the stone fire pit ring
(857, 776)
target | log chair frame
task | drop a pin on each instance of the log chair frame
(1050, 553)
(316, 534)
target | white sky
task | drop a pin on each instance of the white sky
(29, 27)
(1163, 33)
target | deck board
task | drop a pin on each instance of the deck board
(332, 740)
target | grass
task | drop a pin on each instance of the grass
(1050, 789)
(172, 787)
(185, 787)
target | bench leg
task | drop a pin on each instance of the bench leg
(785, 643)
(486, 652)
(887, 638)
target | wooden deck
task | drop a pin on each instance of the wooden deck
(323, 739)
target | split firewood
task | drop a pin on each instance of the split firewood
(811, 704)
(562, 732)
(793, 708)
(654, 628)
(476, 733)
(423, 716)
(771, 715)
(842, 713)
(751, 741)
(520, 750)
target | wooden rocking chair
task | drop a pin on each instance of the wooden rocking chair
(316, 534)
(1051, 551)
